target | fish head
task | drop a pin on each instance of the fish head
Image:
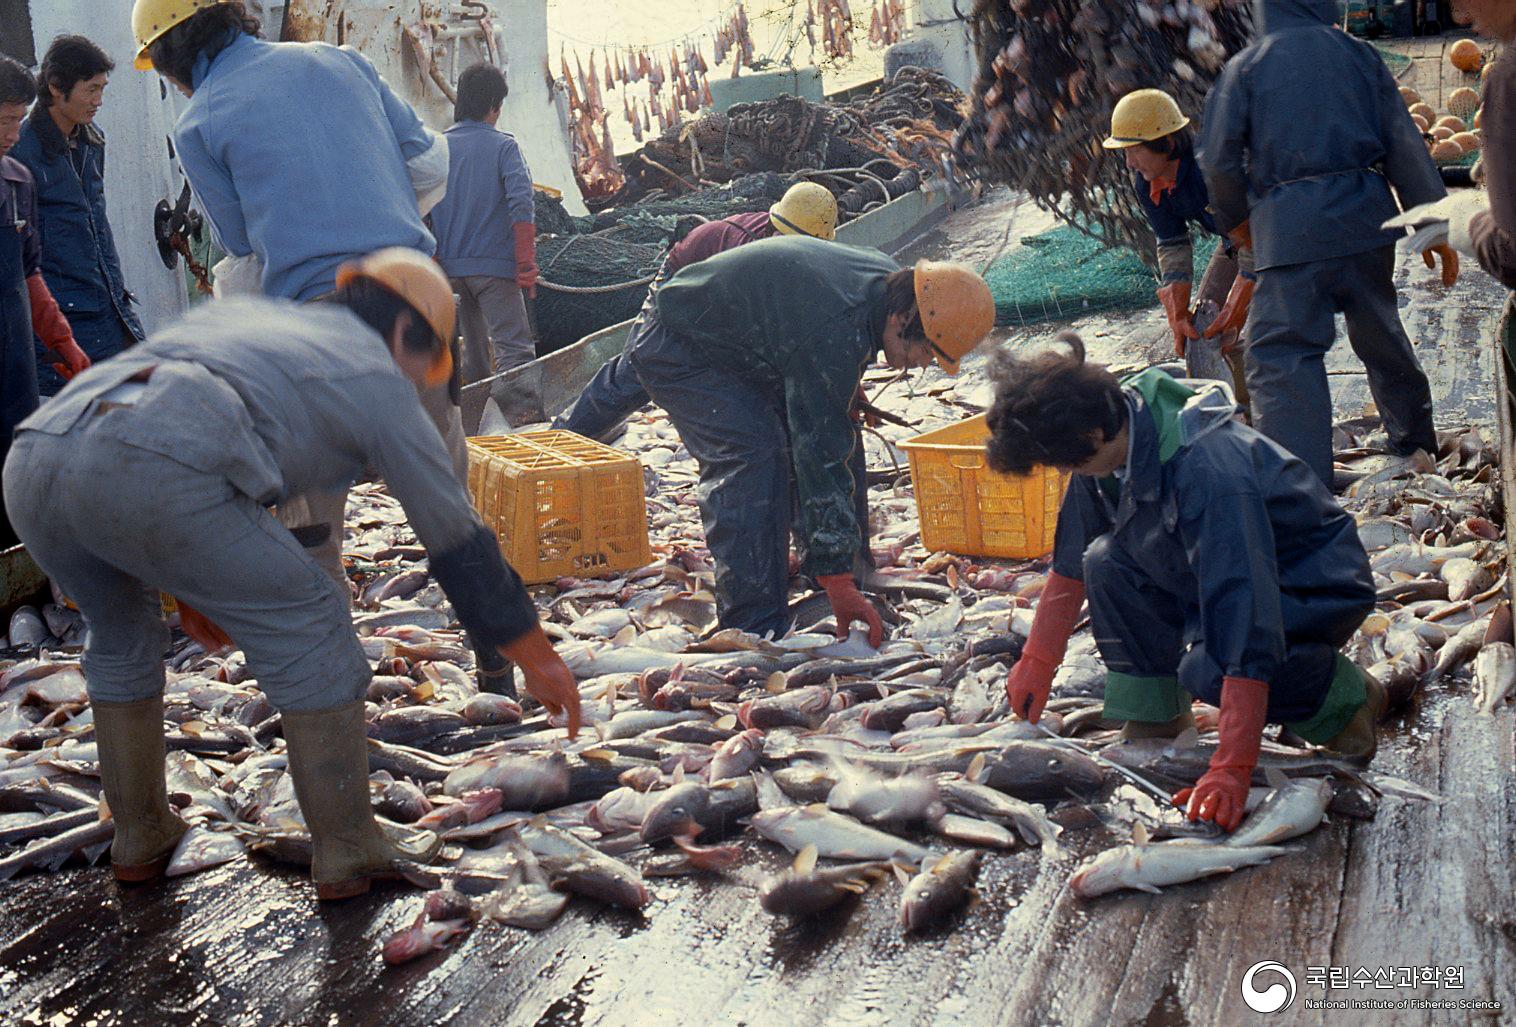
(676, 812)
(1107, 872)
(483, 803)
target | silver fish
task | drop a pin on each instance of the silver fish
(803, 890)
(1293, 808)
(202, 848)
(1494, 675)
(1030, 820)
(583, 869)
(908, 799)
(983, 834)
(1149, 867)
(528, 901)
(834, 835)
(938, 889)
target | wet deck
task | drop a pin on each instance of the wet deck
(1421, 885)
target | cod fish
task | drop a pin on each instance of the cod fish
(693, 807)
(737, 755)
(835, 836)
(51, 853)
(967, 795)
(938, 890)
(201, 849)
(1294, 807)
(529, 901)
(908, 799)
(1149, 867)
(583, 869)
(539, 781)
(803, 890)
(1494, 675)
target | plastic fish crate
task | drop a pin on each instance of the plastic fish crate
(561, 504)
(969, 509)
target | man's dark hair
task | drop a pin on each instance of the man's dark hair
(481, 89)
(69, 61)
(900, 297)
(1046, 406)
(379, 308)
(16, 83)
(1176, 145)
(206, 33)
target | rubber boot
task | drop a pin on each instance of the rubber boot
(494, 673)
(328, 758)
(129, 736)
(1134, 729)
(1360, 739)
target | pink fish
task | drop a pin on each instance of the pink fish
(420, 938)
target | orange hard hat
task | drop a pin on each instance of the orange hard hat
(417, 279)
(957, 310)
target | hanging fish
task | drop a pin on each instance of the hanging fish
(705, 93)
(636, 124)
(876, 30)
(568, 84)
(610, 83)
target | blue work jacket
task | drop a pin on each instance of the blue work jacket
(1238, 531)
(1186, 204)
(489, 189)
(296, 152)
(79, 260)
(1305, 137)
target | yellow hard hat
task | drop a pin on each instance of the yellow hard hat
(419, 281)
(957, 310)
(152, 18)
(1142, 116)
(806, 209)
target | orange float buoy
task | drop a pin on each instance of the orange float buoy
(1463, 102)
(1467, 141)
(1479, 118)
(1420, 123)
(1449, 121)
(1441, 132)
(1465, 56)
(1446, 150)
(1409, 95)
(1428, 114)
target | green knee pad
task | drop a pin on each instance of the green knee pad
(1154, 699)
(1345, 695)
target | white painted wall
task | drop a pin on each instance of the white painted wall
(136, 120)
(934, 20)
(532, 110)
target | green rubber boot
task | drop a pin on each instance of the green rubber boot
(1359, 741)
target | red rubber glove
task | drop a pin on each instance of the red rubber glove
(548, 679)
(849, 605)
(53, 329)
(1242, 236)
(200, 627)
(1234, 313)
(1175, 298)
(526, 257)
(1221, 794)
(1032, 676)
(1449, 262)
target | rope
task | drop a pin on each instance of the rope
(595, 290)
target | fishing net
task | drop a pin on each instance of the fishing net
(612, 270)
(1064, 273)
(1398, 63)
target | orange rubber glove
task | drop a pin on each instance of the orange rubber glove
(848, 605)
(1234, 313)
(548, 679)
(1032, 676)
(526, 257)
(1221, 794)
(1175, 298)
(200, 627)
(1449, 261)
(1242, 236)
(53, 329)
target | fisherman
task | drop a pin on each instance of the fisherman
(27, 307)
(1216, 565)
(614, 394)
(65, 153)
(1153, 133)
(486, 228)
(255, 106)
(757, 362)
(153, 471)
(1306, 146)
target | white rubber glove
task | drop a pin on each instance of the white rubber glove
(1445, 220)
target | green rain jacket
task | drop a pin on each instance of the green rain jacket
(802, 317)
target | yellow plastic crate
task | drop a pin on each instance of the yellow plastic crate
(968, 509)
(560, 504)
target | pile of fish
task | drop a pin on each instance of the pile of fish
(1049, 73)
(708, 751)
